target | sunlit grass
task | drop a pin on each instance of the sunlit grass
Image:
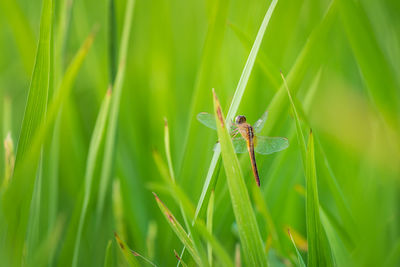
(98, 112)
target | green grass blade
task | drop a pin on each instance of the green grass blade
(210, 212)
(112, 41)
(262, 60)
(299, 258)
(249, 233)
(129, 256)
(179, 231)
(168, 150)
(108, 258)
(319, 253)
(94, 146)
(235, 104)
(109, 150)
(19, 193)
(9, 160)
(39, 88)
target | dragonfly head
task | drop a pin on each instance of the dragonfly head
(240, 119)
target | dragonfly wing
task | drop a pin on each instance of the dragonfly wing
(260, 122)
(207, 119)
(239, 144)
(269, 145)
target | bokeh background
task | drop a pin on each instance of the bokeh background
(341, 58)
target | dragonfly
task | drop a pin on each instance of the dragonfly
(245, 137)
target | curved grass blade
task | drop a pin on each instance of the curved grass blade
(129, 255)
(94, 147)
(179, 231)
(19, 193)
(109, 150)
(210, 178)
(319, 252)
(249, 233)
(210, 212)
(299, 258)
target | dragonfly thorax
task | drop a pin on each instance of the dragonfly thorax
(240, 119)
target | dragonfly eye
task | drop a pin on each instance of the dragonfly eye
(240, 119)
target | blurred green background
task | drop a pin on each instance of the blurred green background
(341, 59)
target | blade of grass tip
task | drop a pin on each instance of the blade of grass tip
(9, 160)
(151, 238)
(109, 259)
(168, 149)
(171, 172)
(299, 258)
(179, 231)
(38, 92)
(180, 261)
(94, 146)
(210, 212)
(129, 256)
(300, 136)
(319, 253)
(237, 97)
(109, 150)
(246, 221)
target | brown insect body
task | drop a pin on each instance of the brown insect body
(247, 131)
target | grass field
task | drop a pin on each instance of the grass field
(105, 164)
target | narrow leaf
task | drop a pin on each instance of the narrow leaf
(94, 146)
(299, 258)
(247, 225)
(319, 253)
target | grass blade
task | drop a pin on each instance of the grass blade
(20, 190)
(109, 151)
(210, 212)
(319, 253)
(299, 258)
(235, 104)
(179, 231)
(249, 233)
(94, 146)
(129, 255)
(39, 88)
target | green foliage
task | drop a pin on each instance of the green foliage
(247, 225)
(79, 164)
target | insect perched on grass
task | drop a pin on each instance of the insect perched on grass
(248, 139)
